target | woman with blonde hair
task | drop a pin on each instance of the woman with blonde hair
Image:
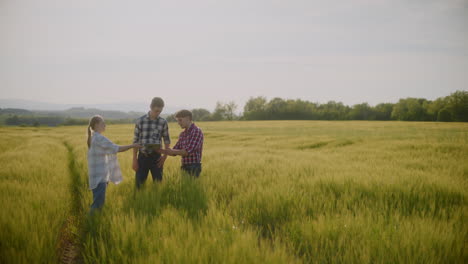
(102, 161)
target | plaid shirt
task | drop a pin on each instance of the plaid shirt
(102, 161)
(191, 139)
(149, 131)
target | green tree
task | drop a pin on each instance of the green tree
(433, 108)
(276, 108)
(255, 108)
(457, 104)
(201, 114)
(219, 112)
(444, 115)
(383, 111)
(231, 108)
(300, 110)
(171, 118)
(410, 109)
(334, 111)
(361, 112)
(255, 104)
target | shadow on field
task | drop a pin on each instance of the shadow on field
(314, 145)
(267, 210)
(270, 210)
(330, 143)
(180, 192)
(404, 200)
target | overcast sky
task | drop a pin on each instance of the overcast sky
(196, 52)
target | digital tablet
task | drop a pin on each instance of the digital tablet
(153, 147)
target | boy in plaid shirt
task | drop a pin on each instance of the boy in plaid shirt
(189, 145)
(150, 129)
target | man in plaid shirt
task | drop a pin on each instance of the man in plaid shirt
(189, 145)
(150, 129)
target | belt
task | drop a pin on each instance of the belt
(150, 154)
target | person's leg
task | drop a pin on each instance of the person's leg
(195, 170)
(198, 170)
(192, 169)
(156, 173)
(99, 196)
(143, 169)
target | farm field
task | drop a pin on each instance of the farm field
(269, 192)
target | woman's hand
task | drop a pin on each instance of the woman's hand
(127, 147)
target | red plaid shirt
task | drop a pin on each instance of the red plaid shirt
(191, 139)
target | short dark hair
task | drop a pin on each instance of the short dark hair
(157, 102)
(184, 113)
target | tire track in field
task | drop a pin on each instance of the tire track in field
(68, 245)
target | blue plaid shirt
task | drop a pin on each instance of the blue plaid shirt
(149, 131)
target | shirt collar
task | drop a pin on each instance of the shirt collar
(149, 117)
(190, 127)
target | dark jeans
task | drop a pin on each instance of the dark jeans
(99, 196)
(193, 169)
(148, 163)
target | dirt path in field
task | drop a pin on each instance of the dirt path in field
(68, 245)
(68, 248)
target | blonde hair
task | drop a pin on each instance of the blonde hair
(92, 126)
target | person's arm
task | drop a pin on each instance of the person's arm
(165, 136)
(135, 151)
(110, 148)
(107, 146)
(175, 152)
(195, 141)
(136, 137)
(167, 144)
(127, 147)
(171, 152)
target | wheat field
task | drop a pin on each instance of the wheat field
(269, 192)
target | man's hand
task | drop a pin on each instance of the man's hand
(135, 165)
(169, 152)
(161, 151)
(161, 160)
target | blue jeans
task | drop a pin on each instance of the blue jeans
(148, 163)
(193, 169)
(99, 196)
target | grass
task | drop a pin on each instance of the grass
(34, 190)
(269, 192)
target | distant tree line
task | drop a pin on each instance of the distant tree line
(222, 111)
(452, 108)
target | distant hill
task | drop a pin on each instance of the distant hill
(15, 111)
(72, 116)
(81, 112)
(77, 112)
(140, 107)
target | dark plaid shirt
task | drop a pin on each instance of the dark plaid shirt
(149, 131)
(191, 139)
